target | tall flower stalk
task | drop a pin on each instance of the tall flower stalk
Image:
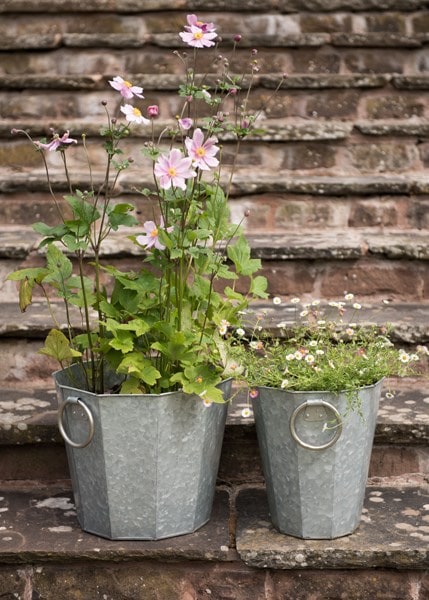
(163, 326)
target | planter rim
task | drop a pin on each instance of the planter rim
(330, 392)
(71, 386)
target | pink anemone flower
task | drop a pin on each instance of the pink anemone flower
(198, 37)
(126, 88)
(150, 239)
(202, 152)
(56, 142)
(134, 115)
(173, 170)
(193, 21)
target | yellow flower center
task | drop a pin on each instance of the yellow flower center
(172, 172)
(198, 35)
(137, 112)
(199, 380)
(128, 84)
(200, 151)
(154, 233)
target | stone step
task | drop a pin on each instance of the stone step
(308, 53)
(245, 182)
(236, 555)
(293, 149)
(395, 104)
(269, 211)
(32, 447)
(50, 32)
(272, 130)
(273, 6)
(389, 265)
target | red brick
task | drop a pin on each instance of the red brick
(367, 277)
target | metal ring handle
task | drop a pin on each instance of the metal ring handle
(75, 400)
(301, 407)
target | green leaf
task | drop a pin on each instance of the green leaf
(60, 269)
(83, 211)
(233, 295)
(72, 243)
(27, 278)
(136, 365)
(178, 348)
(239, 253)
(57, 345)
(258, 287)
(55, 232)
(36, 274)
(119, 215)
(25, 294)
(131, 385)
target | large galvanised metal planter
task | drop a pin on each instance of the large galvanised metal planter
(315, 457)
(143, 467)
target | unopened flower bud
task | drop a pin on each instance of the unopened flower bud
(104, 102)
(233, 91)
(13, 131)
(237, 38)
(153, 111)
(254, 52)
(247, 213)
(114, 120)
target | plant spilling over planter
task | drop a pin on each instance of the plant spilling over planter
(325, 349)
(162, 327)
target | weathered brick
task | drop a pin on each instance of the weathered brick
(362, 585)
(424, 153)
(382, 157)
(418, 214)
(395, 460)
(333, 104)
(326, 22)
(19, 154)
(402, 106)
(308, 156)
(383, 22)
(291, 278)
(420, 22)
(368, 61)
(373, 214)
(366, 277)
(297, 213)
(309, 61)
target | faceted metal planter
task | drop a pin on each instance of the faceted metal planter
(143, 467)
(315, 458)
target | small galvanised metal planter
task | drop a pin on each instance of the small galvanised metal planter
(315, 457)
(143, 467)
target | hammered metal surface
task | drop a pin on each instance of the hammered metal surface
(315, 494)
(150, 470)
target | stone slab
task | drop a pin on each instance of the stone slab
(29, 416)
(151, 580)
(246, 182)
(393, 533)
(39, 524)
(18, 241)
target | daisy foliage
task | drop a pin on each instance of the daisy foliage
(164, 325)
(324, 348)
